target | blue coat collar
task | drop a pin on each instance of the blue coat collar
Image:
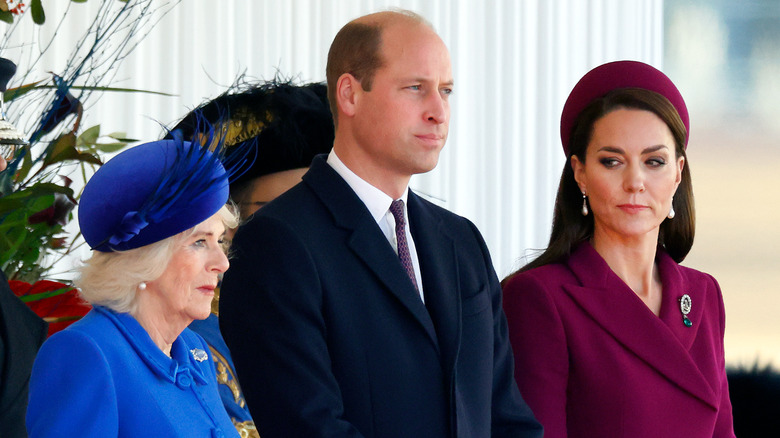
(181, 362)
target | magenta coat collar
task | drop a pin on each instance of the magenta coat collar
(602, 293)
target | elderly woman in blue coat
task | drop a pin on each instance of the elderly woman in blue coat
(154, 216)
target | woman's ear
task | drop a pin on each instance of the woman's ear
(578, 168)
(680, 166)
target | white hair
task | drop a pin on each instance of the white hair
(111, 279)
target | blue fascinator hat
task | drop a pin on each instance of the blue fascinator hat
(151, 192)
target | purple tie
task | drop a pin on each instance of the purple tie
(397, 208)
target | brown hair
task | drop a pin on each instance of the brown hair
(570, 227)
(357, 50)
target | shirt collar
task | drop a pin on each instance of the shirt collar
(377, 201)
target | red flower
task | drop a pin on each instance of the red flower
(57, 303)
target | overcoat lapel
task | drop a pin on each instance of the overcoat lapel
(366, 240)
(439, 270)
(617, 309)
(675, 286)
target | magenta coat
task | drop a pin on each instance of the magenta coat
(592, 360)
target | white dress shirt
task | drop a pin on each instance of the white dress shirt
(378, 204)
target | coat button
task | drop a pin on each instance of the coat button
(183, 380)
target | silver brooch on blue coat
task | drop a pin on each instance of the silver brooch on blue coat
(201, 355)
(685, 308)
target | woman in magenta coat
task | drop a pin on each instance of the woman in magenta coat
(611, 336)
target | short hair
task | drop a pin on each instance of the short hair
(111, 279)
(356, 49)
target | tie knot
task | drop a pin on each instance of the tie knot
(397, 208)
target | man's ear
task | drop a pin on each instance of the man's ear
(348, 92)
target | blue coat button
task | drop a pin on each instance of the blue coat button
(183, 380)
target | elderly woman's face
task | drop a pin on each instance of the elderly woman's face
(630, 173)
(186, 287)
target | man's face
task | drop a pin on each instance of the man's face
(400, 126)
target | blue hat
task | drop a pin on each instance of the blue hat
(151, 192)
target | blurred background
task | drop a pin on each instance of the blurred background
(514, 64)
(725, 58)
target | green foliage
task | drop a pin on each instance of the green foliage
(36, 10)
(36, 197)
(13, 93)
(33, 214)
(21, 243)
(35, 7)
(6, 17)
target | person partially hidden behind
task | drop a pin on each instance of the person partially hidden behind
(355, 308)
(154, 216)
(611, 336)
(21, 334)
(278, 127)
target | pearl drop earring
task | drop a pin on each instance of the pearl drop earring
(584, 204)
(671, 210)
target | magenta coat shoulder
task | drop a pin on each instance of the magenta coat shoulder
(592, 360)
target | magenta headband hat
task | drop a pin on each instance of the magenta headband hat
(612, 76)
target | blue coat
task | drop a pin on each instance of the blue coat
(229, 390)
(330, 338)
(104, 377)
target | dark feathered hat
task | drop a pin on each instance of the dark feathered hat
(275, 126)
(612, 76)
(151, 192)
